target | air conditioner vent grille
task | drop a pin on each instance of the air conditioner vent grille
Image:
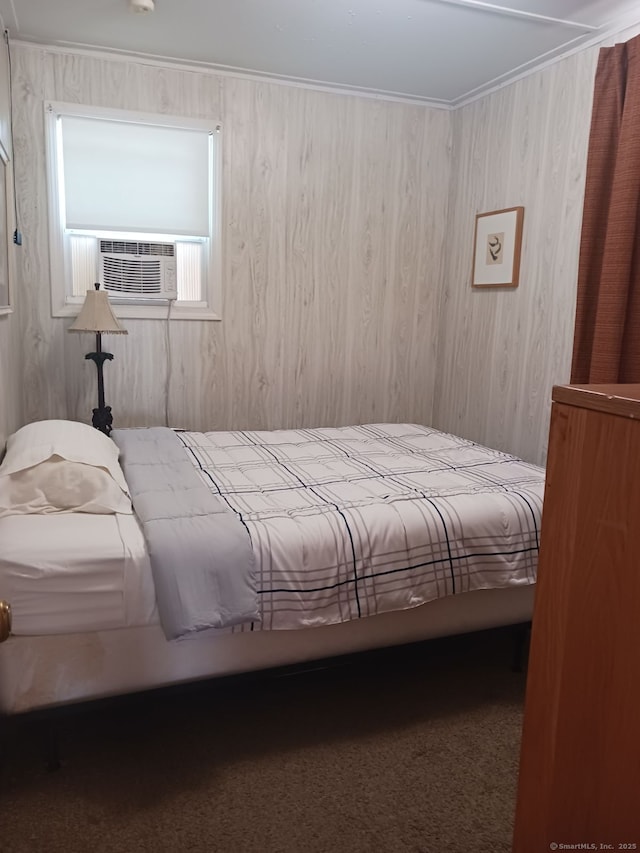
(122, 276)
(135, 247)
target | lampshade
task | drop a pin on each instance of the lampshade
(96, 315)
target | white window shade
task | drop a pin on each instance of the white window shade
(110, 177)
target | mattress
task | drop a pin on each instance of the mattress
(65, 573)
(43, 672)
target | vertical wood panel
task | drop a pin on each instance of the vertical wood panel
(500, 352)
(332, 230)
(255, 304)
(10, 372)
(320, 158)
(368, 259)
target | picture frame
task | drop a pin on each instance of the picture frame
(5, 258)
(496, 248)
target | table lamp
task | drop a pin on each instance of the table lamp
(96, 316)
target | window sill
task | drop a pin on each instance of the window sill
(171, 311)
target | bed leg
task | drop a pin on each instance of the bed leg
(52, 747)
(521, 637)
(4, 740)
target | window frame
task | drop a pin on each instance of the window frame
(63, 303)
(6, 250)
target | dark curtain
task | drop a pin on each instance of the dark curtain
(606, 347)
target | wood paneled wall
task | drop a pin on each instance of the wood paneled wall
(501, 351)
(10, 370)
(332, 245)
(347, 249)
(10, 343)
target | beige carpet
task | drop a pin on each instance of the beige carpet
(414, 750)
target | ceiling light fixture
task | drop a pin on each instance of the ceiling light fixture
(142, 5)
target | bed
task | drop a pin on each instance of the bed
(312, 543)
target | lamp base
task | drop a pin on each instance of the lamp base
(102, 419)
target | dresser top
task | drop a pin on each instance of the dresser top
(621, 400)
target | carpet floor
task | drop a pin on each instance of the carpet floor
(412, 749)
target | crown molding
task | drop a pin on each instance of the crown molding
(228, 71)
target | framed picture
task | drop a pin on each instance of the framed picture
(5, 196)
(496, 248)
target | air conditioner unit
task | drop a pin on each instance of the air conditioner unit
(137, 269)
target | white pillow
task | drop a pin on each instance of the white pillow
(62, 466)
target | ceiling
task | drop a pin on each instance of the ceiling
(438, 51)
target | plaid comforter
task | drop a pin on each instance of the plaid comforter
(354, 521)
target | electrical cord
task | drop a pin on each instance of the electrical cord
(167, 385)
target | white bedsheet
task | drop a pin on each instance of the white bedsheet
(77, 572)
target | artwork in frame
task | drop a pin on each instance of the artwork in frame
(5, 289)
(496, 248)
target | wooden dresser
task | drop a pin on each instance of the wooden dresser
(579, 779)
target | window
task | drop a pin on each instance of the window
(134, 204)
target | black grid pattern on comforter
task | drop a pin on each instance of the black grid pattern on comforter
(352, 521)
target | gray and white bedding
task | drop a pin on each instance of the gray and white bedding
(349, 522)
